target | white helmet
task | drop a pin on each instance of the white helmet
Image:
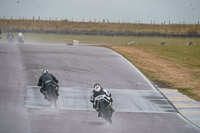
(97, 87)
(20, 34)
(45, 71)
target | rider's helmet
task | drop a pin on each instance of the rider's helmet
(97, 87)
(20, 35)
(45, 71)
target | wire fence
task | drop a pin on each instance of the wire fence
(97, 21)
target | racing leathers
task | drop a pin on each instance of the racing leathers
(45, 79)
(95, 93)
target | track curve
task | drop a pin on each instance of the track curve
(139, 106)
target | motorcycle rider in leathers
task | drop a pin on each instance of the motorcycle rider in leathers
(9, 36)
(46, 78)
(98, 90)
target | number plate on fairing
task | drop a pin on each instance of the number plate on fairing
(99, 97)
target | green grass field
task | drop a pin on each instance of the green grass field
(84, 39)
(108, 40)
(175, 65)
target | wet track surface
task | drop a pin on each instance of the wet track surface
(140, 108)
(78, 99)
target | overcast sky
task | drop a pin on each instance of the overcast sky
(158, 11)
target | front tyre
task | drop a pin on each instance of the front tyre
(107, 115)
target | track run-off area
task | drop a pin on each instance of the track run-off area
(139, 106)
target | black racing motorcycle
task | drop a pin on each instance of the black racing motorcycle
(51, 94)
(103, 104)
(20, 40)
(10, 37)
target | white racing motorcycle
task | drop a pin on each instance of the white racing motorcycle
(103, 104)
(20, 38)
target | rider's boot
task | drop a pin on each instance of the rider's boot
(99, 112)
(45, 95)
(57, 91)
(112, 109)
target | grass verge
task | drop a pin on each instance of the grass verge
(174, 66)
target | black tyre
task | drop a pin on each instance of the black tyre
(106, 112)
(52, 95)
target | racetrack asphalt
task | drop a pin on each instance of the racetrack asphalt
(140, 107)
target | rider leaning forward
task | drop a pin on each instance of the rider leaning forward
(98, 90)
(45, 79)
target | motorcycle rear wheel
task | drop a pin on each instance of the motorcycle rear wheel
(52, 95)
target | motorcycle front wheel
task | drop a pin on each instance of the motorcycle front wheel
(106, 113)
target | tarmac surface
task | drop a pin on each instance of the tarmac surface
(140, 107)
(187, 107)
